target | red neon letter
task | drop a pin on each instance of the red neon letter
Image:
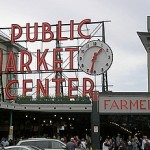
(133, 104)
(8, 88)
(22, 64)
(1, 60)
(142, 102)
(90, 90)
(11, 65)
(56, 62)
(72, 88)
(106, 103)
(35, 32)
(58, 81)
(46, 29)
(25, 89)
(71, 50)
(124, 104)
(80, 26)
(114, 105)
(41, 59)
(13, 34)
(59, 31)
(41, 87)
(71, 29)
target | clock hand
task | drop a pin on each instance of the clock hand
(92, 67)
(94, 59)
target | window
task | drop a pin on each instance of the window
(57, 145)
(28, 143)
(40, 144)
(43, 144)
(17, 148)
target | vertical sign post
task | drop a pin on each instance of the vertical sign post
(95, 122)
(10, 127)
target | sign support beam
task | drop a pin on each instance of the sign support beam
(95, 122)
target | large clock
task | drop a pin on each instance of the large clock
(95, 57)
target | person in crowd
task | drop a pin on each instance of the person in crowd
(135, 143)
(71, 144)
(10, 142)
(122, 145)
(111, 144)
(62, 139)
(83, 143)
(129, 143)
(88, 141)
(4, 142)
(77, 141)
(147, 145)
(143, 142)
(54, 137)
(117, 140)
(65, 139)
(140, 140)
(106, 144)
(138, 143)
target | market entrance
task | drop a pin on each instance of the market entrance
(43, 124)
(33, 124)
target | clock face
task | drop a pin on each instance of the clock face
(95, 57)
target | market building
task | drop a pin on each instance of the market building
(5, 47)
(75, 109)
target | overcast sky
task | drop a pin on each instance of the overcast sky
(129, 69)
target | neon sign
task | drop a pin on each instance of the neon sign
(46, 30)
(47, 36)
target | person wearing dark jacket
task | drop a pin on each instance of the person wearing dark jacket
(147, 145)
(71, 145)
